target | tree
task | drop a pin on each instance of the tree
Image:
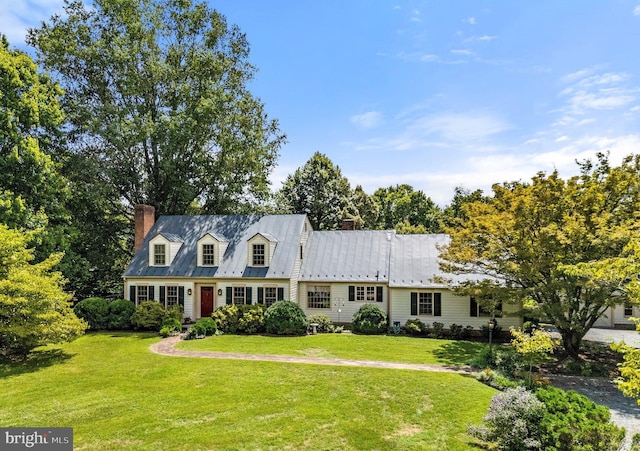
(629, 380)
(534, 347)
(453, 214)
(403, 207)
(34, 310)
(564, 248)
(367, 209)
(156, 97)
(318, 189)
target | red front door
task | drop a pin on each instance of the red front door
(206, 301)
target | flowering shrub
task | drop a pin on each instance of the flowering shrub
(415, 327)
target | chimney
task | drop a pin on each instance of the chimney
(348, 224)
(144, 216)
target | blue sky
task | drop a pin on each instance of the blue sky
(435, 94)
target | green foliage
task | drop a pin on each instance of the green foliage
(437, 329)
(629, 380)
(148, 316)
(172, 324)
(285, 318)
(198, 330)
(534, 347)
(573, 422)
(406, 210)
(119, 314)
(176, 312)
(34, 311)
(323, 321)
(566, 248)
(95, 311)
(460, 332)
(513, 421)
(415, 327)
(240, 319)
(227, 317)
(370, 320)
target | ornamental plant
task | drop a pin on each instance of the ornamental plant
(94, 311)
(148, 315)
(370, 320)
(533, 347)
(119, 314)
(285, 318)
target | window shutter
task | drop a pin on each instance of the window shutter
(379, 294)
(414, 303)
(132, 293)
(229, 295)
(162, 298)
(181, 296)
(352, 293)
(437, 304)
(248, 299)
(473, 310)
(152, 296)
(280, 294)
(260, 295)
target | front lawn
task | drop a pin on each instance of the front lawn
(116, 394)
(387, 348)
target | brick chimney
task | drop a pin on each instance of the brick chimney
(348, 224)
(144, 216)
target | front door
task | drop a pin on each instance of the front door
(206, 301)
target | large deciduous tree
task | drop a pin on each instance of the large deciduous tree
(318, 189)
(564, 248)
(156, 96)
(34, 310)
(407, 210)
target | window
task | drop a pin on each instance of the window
(425, 304)
(270, 295)
(490, 310)
(365, 293)
(159, 255)
(239, 295)
(172, 296)
(208, 252)
(371, 294)
(359, 293)
(628, 309)
(258, 255)
(319, 297)
(143, 293)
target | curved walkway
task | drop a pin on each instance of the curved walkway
(168, 347)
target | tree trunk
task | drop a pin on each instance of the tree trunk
(571, 341)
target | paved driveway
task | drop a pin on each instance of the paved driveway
(631, 337)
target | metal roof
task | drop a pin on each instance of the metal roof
(234, 229)
(347, 255)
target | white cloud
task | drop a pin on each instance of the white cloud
(636, 10)
(370, 119)
(17, 16)
(460, 127)
(461, 52)
(562, 138)
(470, 20)
(487, 38)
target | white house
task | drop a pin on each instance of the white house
(203, 262)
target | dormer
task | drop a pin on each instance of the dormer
(211, 248)
(163, 248)
(260, 249)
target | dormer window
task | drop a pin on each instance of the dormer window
(208, 254)
(258, 255)
(211, 248)
(159, 254)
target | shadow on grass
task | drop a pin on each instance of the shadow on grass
(458, 352)
(139, 334)
(35, 361)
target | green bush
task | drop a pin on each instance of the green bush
(370, 320)
(176, 311)
(285, 318)
(207, 326)
(94, 311)
(227, 317)
(438, 330)
(172, 324)
(323, 321)
(573, 422)
(251, 319)
(165, 332)
(198, 330)
(148, 316)
(460, 332)
(119, 314)
(415, 327)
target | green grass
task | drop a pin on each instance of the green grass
(116, 394)
(345, 346)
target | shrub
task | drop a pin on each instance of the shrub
(370, 320)
(207, 326)
(119, 314)
(415, 327)
(148, 316)
(513, 421)
(251, 320)
(176, 311)
(285, 318)
(94, 311)
(172, 324)
(227, 317)
(323, 322)
(165, 332)
(438, 330)
(198, 330)
(572, 421)
(460, 332)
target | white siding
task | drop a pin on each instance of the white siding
(455, 310)
(342, 310)
(295, 273)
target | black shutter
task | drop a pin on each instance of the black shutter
(473, 309)
(280, 294)
(437, 304)
(181, 296)
(352, 293)
(260, 295)
(151, 293)
(132, 293)
(229, 295)
(248, 294)
(162, 298)
(414, 303)
(379, 294)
